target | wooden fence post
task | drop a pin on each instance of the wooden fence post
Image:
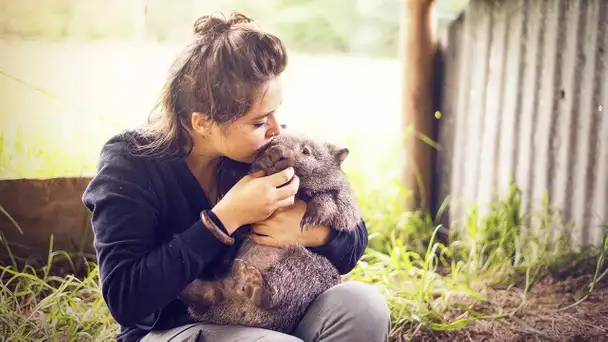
(417, 114)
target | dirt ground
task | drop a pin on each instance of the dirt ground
(540, 317)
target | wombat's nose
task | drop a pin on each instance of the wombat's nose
(280, 157)
(276, 156)
(279, 160)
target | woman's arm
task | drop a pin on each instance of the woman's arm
(139, 275)
(344, 248)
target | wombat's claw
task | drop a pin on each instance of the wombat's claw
(248, 282)
(307, 222)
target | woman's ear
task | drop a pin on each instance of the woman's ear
(201, 124)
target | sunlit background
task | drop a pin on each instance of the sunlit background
(75, 72)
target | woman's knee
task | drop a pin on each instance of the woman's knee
(346, 312)
(218, 333)
(358, 297)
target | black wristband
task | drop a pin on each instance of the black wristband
(219, 232)
(217, 221)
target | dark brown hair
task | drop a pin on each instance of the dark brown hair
(219, 74)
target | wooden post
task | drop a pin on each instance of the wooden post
(417, 114)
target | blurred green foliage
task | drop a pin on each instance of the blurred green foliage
(362, 27)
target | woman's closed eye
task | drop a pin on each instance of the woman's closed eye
(260, 124)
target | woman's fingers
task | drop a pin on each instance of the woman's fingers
(256, 174)
(290, 189)
(285, 202)
(264, 240)
(281, 178)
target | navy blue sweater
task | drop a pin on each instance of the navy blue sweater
(150, 242)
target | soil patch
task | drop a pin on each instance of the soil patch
(540, 317)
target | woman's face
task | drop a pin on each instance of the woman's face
(241, 139)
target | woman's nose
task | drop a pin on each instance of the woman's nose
(275, 127)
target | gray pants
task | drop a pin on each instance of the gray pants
(351, 311)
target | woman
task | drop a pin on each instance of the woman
(154, 185)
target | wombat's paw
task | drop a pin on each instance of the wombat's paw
(309, 220)
(317, 213)
(346, 221)
(248, 282)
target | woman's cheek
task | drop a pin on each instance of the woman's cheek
(258, 141)
(249, 147)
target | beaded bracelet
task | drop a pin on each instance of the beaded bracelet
(215, 226)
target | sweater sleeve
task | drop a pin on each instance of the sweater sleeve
(345, 248)
(139, 274)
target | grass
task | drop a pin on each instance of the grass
(438, 289)
(40, 306)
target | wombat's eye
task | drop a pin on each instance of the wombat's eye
(305, 150)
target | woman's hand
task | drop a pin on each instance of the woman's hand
(283, 228)
(255, 197)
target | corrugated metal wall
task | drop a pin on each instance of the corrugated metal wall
(526, 96)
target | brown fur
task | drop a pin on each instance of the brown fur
(272, 287)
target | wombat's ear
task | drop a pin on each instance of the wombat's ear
(340, 155)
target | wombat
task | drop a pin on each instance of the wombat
(270, 287)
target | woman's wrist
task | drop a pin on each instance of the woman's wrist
(215, 226)
(227, 219)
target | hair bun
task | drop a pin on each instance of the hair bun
(210, 24)
(217, 24)
(239, 18)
